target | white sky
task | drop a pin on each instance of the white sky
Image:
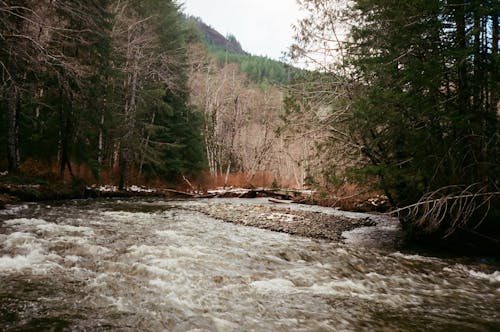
(263, 27)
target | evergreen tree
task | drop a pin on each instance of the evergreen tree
(424, 98)
(97, 83)
(151, 62)
(427, 117)
(51, 48)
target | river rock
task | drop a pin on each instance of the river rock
(303, 223)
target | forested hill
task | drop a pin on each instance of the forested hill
(215, 39)
(229, 50)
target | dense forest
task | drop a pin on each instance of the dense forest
(398, 98)
(97, 84)
(411, 92)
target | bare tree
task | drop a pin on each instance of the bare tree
(144, 63)
(40, 38)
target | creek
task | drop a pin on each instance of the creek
(153, 265)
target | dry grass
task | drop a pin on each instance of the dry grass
(350, 197)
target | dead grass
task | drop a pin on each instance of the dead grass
(351, 196)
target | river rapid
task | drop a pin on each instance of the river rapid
(153, 265)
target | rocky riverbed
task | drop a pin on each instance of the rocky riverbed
(287, 218)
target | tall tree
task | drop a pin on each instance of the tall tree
(46, 43)
(148, 39)
(97, 83)
(423, 98)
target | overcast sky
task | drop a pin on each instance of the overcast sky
(263, 27)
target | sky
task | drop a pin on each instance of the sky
(263, 27)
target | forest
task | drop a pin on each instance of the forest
(97, 84)
(399, 98)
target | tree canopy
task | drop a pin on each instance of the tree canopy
(99, 84)
(421, 82)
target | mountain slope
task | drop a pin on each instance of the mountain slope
(215, 39)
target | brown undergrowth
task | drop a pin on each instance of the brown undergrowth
(350, 197)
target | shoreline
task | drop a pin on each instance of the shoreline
(295, 220)
(280, 218)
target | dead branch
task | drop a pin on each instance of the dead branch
(450, 208)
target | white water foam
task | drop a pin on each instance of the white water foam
(491, 277)
(25, 222)
(20, 262)
(179, 270)
(274, 286)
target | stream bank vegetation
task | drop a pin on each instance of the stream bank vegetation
(97, 89)
(410, 93)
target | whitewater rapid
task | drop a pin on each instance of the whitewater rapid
(153, 265)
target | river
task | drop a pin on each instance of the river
(153, 265)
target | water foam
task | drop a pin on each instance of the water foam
(491, 277)
(20, 262)
(274, 286)
(179, 270)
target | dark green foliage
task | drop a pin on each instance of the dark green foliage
(175, 147)
(228, 49)
(72, 103)
(257, 68)
(415, 90)
(426, 113)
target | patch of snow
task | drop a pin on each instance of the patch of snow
(140, 189)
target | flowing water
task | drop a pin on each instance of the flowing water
(149, 265)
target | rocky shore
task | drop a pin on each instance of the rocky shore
(286, 218)
(314, 224)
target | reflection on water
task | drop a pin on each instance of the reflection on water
(137, 265)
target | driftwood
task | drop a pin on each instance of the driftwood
(178, 193)
(280, 201)
(253, 193)
(276, 194)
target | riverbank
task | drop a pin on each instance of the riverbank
(11, 193)
(279, 219)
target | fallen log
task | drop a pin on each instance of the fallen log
(177, 193)
(280, 201)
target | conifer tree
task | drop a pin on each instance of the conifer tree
(424, 77)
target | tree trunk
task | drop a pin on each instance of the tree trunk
(495, 34)
(13, 128)
(494, 50)
(66, 132)
(478, 79)
(228, 170)
(461, 40)
(146, 144)
(100, 147)
(124, 170)
(130, 113)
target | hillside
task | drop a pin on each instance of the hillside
(229, 50)
(215, 39)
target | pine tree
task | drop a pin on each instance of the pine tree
(87, 83)
(49, 46)
(424, 77)
(148, 38)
